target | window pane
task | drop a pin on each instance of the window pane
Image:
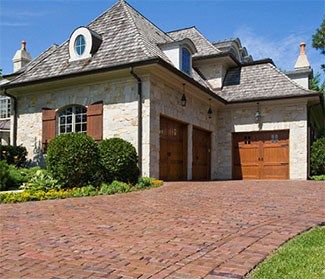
(62, 129)
(186, 61)
(78, 128)
(72, 119)
(68, 128)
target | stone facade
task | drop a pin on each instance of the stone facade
(166, 100)
(161, 98)
(120, 117)
(279, 115)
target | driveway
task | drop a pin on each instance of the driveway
(181, 230)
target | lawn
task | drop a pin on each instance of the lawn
(301, 257)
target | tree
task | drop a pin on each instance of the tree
(316, 83)
(319, 40)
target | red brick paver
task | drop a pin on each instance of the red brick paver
(181, 230)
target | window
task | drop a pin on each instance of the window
(73, 119)
(186, 61)
(80, 45)
(4, 107)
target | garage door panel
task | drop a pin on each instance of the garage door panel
(261, 155)
(172, 164)
(201, 157)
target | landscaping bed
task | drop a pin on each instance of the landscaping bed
(76, 166)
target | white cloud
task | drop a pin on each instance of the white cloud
(13, 24)
(284, 51)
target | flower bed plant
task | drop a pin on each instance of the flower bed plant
(37, 192)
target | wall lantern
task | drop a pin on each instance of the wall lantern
(258, 115)
(210, 110)
(183, 99)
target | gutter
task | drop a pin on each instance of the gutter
(139, 118)
(14, 124)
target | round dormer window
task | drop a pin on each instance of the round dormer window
(83, 44)
(80, 45)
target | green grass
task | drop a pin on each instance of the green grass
(300, 258)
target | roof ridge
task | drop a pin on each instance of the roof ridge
(136, 27)
(199, 32)
(181, 29)
(147, 19)
(290, 80)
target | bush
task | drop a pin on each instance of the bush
(115, 187)
(4, 175)
(317, 157)
(74, 160)
(41, 180)
(119, 160)
(147, 182)
(318, 177)
(13, 155)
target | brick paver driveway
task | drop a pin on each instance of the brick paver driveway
(181, 230)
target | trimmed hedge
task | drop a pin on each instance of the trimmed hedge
(74, 160)
(317, 157)
(119, 160)
(13, 155)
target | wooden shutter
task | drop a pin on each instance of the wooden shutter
(48, 126)
(95, 121)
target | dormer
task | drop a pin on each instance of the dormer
(83, 43)
(180, 54)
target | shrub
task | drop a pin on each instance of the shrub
(317, 157)
(115, 187)
(73, 159)
(119, 160)
(13, 155)
(41, 180)
(4, 175)
(147, 182)
(318, 177)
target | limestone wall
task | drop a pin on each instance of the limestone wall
(277, 116)
(166, 100)
(120, 99)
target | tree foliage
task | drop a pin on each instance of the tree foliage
(319, 40)
(317, 84)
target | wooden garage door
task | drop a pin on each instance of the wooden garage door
(201, 154)
(173, 135)
(261, 155)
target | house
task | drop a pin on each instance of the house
(194, 109)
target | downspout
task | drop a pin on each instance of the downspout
(139, 118)
(14, 124)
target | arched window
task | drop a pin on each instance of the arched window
(72, 119)
(80, 45)
(186, 61)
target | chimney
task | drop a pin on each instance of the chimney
(21, 58)
(302, 61)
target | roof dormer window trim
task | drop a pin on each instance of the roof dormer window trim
(83, 44)
(185, 60)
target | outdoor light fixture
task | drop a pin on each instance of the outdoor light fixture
(210, 110)
(258, 114)
(183, 99)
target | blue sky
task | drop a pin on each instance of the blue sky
(267, 28)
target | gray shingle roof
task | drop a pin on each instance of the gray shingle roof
(202, 44)
(258, 81)
(127, 37)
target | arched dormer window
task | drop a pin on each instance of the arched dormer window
(186, 61)
(72, 119)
